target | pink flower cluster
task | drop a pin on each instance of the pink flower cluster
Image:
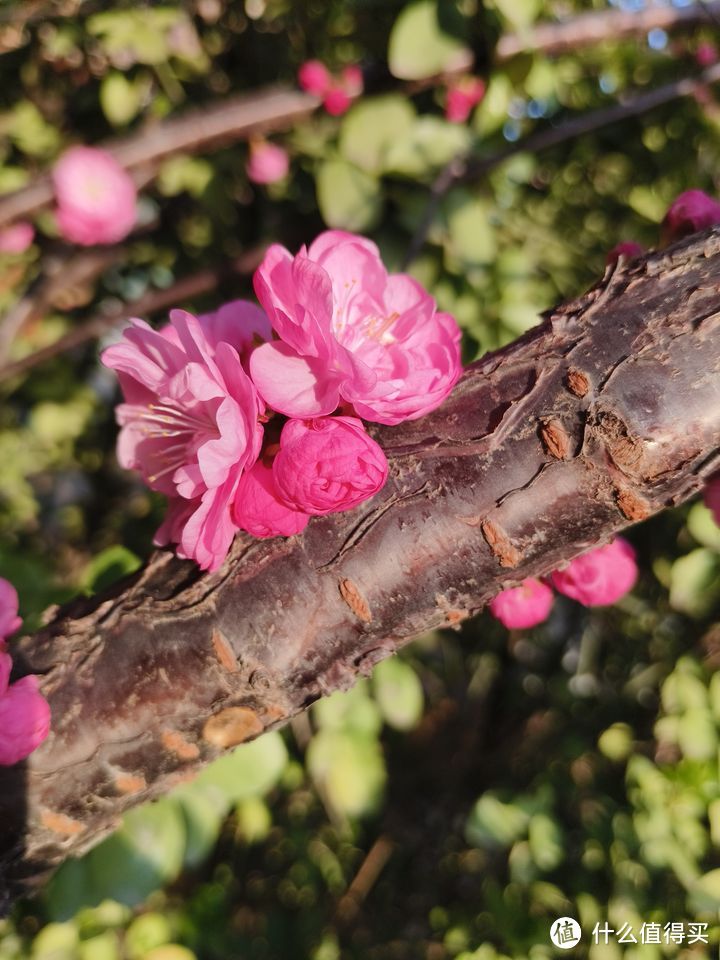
(336, 91)
(24, 712)
(96, 198)
(596, 579)
(462, 96)
(206, 397)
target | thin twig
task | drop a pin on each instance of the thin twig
(588, 29)
(61, 270)
(468, 167)
(150, 303)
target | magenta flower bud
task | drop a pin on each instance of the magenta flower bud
(17, 237)
(96, 198)
(706, 54)
(523, 606)
(314, 78)
(599, 577)
(267, 162)
(628, 249)
(328, 464)
(693, 210)
(462, 96)
(24, 716)
(337, 101)
(9, 619)
(711, 496)
(259, 510)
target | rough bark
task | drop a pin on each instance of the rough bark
(602, 415)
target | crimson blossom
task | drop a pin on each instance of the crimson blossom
(350, 331)
(600, 576)
(523, 606)
(24, 712)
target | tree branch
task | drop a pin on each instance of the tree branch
(606, 413)
(468, 167)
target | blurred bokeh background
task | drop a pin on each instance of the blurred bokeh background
(485, 782)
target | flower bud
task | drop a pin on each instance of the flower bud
(523, 606)
(328, 464)
(599, 577)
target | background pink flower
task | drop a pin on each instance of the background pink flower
(267, 162)
(462, 97)
(628, 248)
(17, 237)
(328, 464)
(348, 330)
(9, 619)
(24, 715)
(314, 77)
(523, 606)
(599, 577)
(96, 198)
(693, 210)
(189, 426)
(259, 510)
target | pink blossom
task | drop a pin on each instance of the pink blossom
(9, 619)
(351, 331)
(259, 509)
(96, 198)
(24, 715)
(240, 323)
(17, 237)
(462, 96)
(711, 496)
(267, 162)
(328, 464)
(189, 424)
(599, 577)
(706, 54)
(628, 249)
(693, 210)
(314, 77)
(523, 606)
(337, 101)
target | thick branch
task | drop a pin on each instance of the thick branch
(607, 412)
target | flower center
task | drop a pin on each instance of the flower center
(163, 421)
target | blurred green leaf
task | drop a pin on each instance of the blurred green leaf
(372, 127)
(147, 931)
(107, 567)
(419, 47)
(250, 770)
(695, 582)
(399, 693)
(348, 198)
(349, 768)
(493, 823)
(120, 98)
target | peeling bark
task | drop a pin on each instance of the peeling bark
(605, 413)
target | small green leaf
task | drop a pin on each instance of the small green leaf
(418, 45)
(493, 823)
(107, 567)
(430, 143)
(703, 528)
(251, 770)
(147, 931)
(695, 582)
(399, 693)
(348, 198)
(120, 99)
(349, 768)
(372, 127)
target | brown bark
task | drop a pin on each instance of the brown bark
(607, 412)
